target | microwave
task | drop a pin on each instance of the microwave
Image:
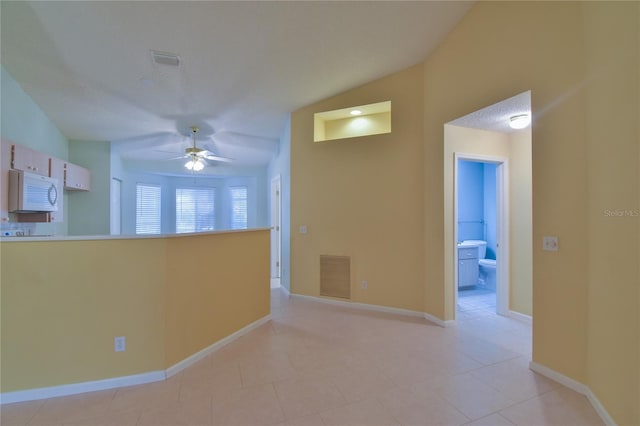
(31, 193)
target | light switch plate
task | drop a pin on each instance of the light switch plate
(550, 243)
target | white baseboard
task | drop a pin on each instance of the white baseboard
(438, 321)
(75, 388)
(178, 367)
(118, 382)
(576, 386)
(376, 308)
(520, 317)
(275, 282)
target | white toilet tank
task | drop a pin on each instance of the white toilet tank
(481, 244)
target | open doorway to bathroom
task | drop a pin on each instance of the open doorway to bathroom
(482, 144)
(482, 235)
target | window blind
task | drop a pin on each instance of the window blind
(195, 209)
(239, 207)
(148, 209)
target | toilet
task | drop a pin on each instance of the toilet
(487, 277)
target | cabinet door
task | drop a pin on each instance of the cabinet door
(467, 273)
(76, 178)
(5, 165)
(29, 160)
(56, 170)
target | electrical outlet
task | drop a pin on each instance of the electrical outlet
(550, 243)
(120, 344)
(303, 229)
(364, 284)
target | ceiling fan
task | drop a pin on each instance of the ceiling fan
(197, 157)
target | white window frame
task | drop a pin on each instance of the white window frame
(149, 229)
(212, 225)
(233, 224)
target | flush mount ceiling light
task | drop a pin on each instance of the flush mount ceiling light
(355, 112)
(519, 121)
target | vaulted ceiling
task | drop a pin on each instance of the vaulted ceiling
(244, 66)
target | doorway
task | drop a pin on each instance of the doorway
(481, 234)
(276, 231)
(487, 136)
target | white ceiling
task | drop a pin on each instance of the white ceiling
(244, 65)
(496, 117)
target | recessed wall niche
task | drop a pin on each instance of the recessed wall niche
(361, 120)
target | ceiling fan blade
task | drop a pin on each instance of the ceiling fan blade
(212, 157)
(180, 157)
(166, 152)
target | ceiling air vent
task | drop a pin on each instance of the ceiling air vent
(165, 58)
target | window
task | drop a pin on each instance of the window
(239, 207)
(195, 209)
(148, 209)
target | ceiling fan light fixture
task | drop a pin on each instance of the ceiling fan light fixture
(194, 164)
(519, 121)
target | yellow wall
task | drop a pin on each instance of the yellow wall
(63, 302)
(570, 55)
(498, 51)
(613, 135)
(362, 197)
(580, 61)
(520, 223)
(372, 124)
(516, 148)
(214, 289)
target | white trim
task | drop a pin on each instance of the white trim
(602, 412)
(576, 386)
(75, 388)
(276, 223)
(275, 282)
(438, 321)
(520, 317)
(376, 308)
(176, 368)
(286, 290)
(118, 382)
(560, 378)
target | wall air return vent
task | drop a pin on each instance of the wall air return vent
(165, 58)
(335, 276)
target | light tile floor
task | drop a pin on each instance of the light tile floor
(318, 364)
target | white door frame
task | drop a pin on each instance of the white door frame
(502, 227)
(115, 202)
(276, 231)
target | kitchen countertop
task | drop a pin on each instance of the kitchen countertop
(34, 238)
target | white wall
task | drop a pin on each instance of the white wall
(89, 212)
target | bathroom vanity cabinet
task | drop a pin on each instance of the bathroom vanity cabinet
(468, 269)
